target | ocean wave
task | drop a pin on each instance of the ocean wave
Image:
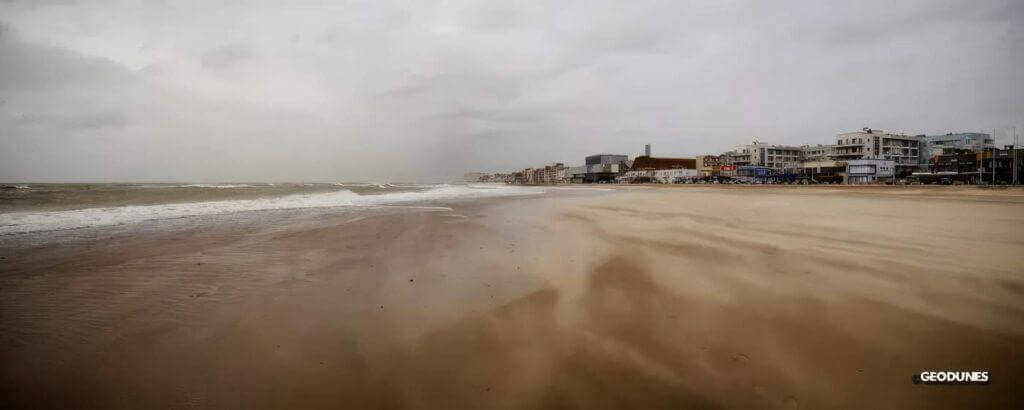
(218, 186)
(15, 187)
(26, 222)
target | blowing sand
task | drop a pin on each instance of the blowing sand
(757, 297)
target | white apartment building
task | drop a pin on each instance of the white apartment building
(903, 150)
(765, 155)
(818, 152)
(738, 156)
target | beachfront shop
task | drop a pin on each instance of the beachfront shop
(755, 174)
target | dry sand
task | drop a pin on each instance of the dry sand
(695, 297)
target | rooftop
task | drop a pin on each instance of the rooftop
(645, 162)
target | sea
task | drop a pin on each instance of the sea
(32, 207)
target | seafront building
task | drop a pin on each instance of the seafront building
(827, 171)
(566, 175)
(666, 170)
(551, 173)
(868, 156)
(972, 141)
(604, 168)
(903, 150)
(817, 152)
(765, 155)
(654, 163)
(968, 166)
(869, 171)
(675, 175)
(936, 145)
(709, 165)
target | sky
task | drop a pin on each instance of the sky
(427, 90)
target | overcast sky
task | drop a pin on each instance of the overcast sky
(424, 91)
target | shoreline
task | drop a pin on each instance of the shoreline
(187, 206)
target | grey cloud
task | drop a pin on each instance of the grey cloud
(34, 67)
(52, 90)
(41, 2)
(490, 115)
(70, 121)
(226, 56)
(436, 88)
(326, 37)
(477, 84)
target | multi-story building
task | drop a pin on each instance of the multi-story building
(780, 156)
(565, 174)
(974, 141)
(528, 176)
(903, 150)
(539, 176)
(765, 155)
(709, 165)
(817, 152)
(605, 159)
(575, 174)
(605, 167)
(935, 145)
(551, 173)
(967, 166)
(738, 157)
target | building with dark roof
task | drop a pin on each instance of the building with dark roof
(654, 163)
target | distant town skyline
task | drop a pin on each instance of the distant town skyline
(262, 91)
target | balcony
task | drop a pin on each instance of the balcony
(855, 151)
(850, 145)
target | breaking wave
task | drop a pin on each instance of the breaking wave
(26, 222)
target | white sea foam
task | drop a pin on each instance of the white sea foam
(24, 222)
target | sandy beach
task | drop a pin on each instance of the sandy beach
(637, 297)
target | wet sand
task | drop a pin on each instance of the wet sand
(686, 297)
